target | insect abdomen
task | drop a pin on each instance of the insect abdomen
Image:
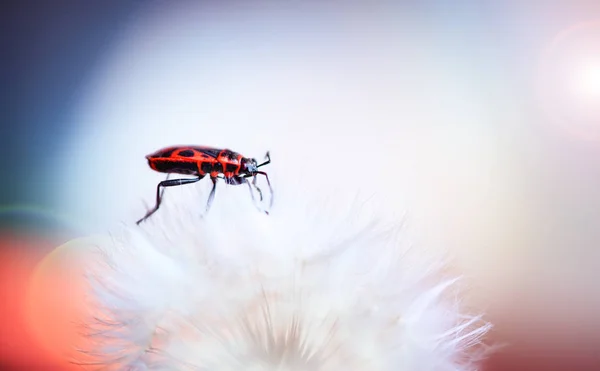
(170, 166)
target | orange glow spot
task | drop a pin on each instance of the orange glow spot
(55, 302)
(42, 294)
(19, 349)
(58, 303)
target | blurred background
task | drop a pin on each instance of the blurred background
(480, 119)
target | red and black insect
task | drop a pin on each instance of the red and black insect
(201, 161)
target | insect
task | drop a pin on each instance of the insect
(201, 161)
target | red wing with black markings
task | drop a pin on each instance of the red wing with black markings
(209, 151)
(182, 152)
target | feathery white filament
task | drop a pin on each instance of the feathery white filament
(297, 290)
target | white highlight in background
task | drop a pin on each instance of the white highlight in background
(588, 82)
(569, 80)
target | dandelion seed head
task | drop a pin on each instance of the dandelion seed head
(296, 290)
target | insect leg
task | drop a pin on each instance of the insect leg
(166, 183)
(257, 188)
(243, 179)
(162, 192)
(211, 196)
(269, 183)
(251, 193)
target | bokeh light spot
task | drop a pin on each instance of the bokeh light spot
(568, 82)
(588, 82)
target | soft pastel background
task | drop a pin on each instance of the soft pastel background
(481, 119)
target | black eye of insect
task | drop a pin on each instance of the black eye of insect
(201, 161)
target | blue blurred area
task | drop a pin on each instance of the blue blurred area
(48, 49)
(34, 220)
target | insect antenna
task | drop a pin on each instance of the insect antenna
(268, 157)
